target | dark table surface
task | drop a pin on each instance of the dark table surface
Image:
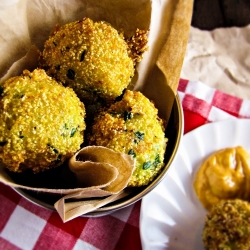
(210, 14)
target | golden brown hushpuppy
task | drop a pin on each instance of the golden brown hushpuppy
(91, 57)
(132, 126)
(227, 226)
(41, 122)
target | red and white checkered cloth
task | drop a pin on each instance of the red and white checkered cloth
(24, 225)
(202, 104)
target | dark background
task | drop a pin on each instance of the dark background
(210, 14)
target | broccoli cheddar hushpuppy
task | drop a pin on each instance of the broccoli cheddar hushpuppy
(227, 226)
(41, 122)
(91, 57)
(132, 126)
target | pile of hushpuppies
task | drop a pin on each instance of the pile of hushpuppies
(79, 96)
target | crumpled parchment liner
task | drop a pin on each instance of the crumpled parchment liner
(71, 210)
(25, 25)
(95, 155)
(88, 165)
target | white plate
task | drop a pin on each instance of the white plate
(171, 215)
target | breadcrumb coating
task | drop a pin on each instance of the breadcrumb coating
(227, 226)
(132, 126)
(137, 45)
(91, 57)
(41, 122)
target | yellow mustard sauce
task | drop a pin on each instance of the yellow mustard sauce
(223, 175)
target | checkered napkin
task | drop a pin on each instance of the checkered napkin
(24, 225)
(202, 104)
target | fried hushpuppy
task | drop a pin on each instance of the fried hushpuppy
(90, 57)
(132, 126)
(227, 226)
(41, 122)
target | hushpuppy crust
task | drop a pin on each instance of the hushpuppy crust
(132, 126)
(41, 122)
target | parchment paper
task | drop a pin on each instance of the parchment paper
(220, 58)
(25, 25)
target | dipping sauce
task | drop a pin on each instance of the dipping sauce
(224, 175)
